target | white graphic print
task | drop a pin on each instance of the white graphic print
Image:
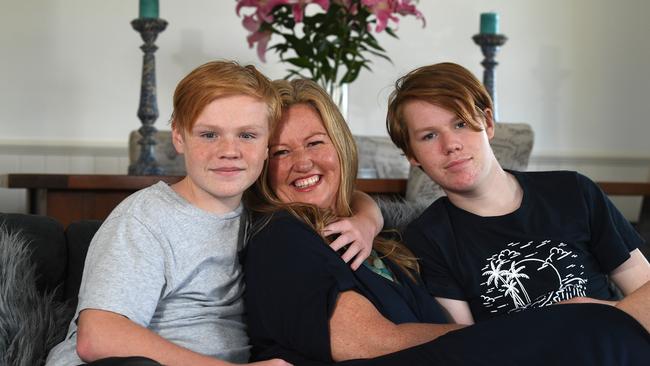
(531, 275)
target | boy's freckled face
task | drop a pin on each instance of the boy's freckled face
(224, 152)
(449, 151)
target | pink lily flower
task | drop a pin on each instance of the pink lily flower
(262, 39)
(263, 8)
(406, 7)
(298, 7)
(251, 23)
(383, 11)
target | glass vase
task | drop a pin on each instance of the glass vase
(339, 94)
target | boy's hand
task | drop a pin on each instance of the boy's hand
(356, 234)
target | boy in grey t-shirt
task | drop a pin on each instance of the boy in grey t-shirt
(161, 278)
(162, 283)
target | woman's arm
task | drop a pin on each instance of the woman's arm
(357, 231)
(358, 330)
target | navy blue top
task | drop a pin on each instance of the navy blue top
(561, 242)
(293, 279)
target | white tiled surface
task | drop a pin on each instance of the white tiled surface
(57, 161)
(57, 164)
(81, 164)
(31, 164)
(107, 165)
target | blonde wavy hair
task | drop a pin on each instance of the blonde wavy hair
(262, 199)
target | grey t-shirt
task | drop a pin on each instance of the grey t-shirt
(170, 267)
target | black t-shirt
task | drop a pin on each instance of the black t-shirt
(560, 243)
(293, 279)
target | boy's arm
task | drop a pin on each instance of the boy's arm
(630, 276)
(104, 334)
(458, 311)
(358, 231)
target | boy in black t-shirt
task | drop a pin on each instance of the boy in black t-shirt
(505, 241)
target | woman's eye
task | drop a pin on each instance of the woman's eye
(314, 143)
(461, 124)
(277, 153)
(247, 135)
(429, 136)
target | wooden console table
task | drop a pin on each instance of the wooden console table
(69, 198)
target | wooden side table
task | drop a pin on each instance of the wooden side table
(69, 197)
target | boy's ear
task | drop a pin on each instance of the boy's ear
(489, 123)
(413, 161)
(178, 140)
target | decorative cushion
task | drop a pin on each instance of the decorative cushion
(47, 247)
(31, 321)
(380, 158)
(512, 144)
(164, 152)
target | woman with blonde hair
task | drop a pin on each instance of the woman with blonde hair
(316, 310)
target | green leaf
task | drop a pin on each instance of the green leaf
(390, 32)
(300, 62)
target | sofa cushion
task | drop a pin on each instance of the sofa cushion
(78, 235)
(46, 241)
(380, 158)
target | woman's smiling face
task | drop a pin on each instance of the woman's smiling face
(304, 165)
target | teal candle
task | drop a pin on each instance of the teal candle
(489, 23)
(148, 8)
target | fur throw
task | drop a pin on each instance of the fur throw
(30, 322)
(398, 213)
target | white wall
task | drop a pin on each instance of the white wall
(577, 71)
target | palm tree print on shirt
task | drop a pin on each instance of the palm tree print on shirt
(531, 275)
